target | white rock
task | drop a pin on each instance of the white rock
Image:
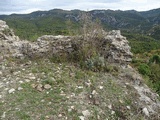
(21, 82)
(32, 78)
(3, 67)
(47, 117)
(127, 83)
(113, 112)
(16, 73)
(90, 96)
(73, 95)
(121, 101)
(72, 107)
(49, 103)
(100, 87)
(1, 85)
(94, 92)
(30, 74)
(0, 96)
(98, 117)
(18, 109)
(20, 88)
(42, 100)
(60, 115)
(27, 80)
(128, 107)
(145, 111)
(86, 113)
(47, 86)
(88, 83)
(4, 115)
(81, 118)
(0, 72)
(1, 58)
(4, 79)
(80, 87)
(110, 106)
(11, 91)
(69, 110)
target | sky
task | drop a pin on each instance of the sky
(28, 6)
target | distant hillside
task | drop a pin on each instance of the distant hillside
(30, 26)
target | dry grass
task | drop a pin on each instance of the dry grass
(73, 90)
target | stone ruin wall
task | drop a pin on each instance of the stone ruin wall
(114, 47)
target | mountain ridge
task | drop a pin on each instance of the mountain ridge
(54, 21)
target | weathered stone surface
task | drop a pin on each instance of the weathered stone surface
(8, 41)
(114, 47)
(119, 49)
(3, 25)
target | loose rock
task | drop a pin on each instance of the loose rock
(100, 87)
(39, 87)
(113, 112)
(86, 113)
(4, 115)
(32, 78)
(11, 91)
(128, 107)
(0, 72)
(94, 92)
(20, 88)
(110, 106)
(81, 117)
(47, 86)
(145, 111)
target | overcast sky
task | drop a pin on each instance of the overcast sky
(27, 6)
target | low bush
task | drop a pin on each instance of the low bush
(144, 69)
(155, 59)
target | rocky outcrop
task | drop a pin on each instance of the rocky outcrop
(9, 43)
(146, 99)
(118, 48)
(114, 47)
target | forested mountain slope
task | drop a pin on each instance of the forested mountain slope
(30, 26)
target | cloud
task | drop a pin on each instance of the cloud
(140, 5)
(27, 6)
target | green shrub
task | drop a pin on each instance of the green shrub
(96, 63)
(155, 77)
(144, 69)
(155, 59)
